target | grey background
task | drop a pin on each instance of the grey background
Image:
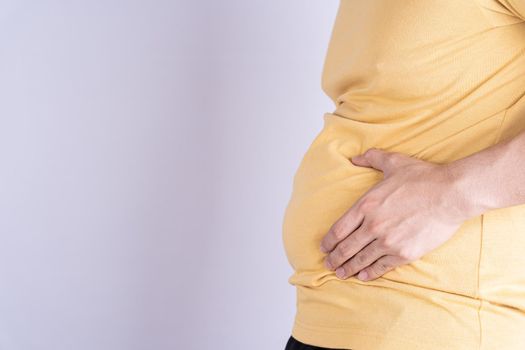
(147, 151)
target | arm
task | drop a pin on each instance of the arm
(419, 205)
(490, 179)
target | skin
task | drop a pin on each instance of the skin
(419, 205)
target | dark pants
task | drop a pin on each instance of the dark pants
(294, 344)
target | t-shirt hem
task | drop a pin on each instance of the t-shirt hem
(357, 339)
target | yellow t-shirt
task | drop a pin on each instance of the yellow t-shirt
(437, 80)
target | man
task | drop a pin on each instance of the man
(406, 225)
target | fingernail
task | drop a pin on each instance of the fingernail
(340, 272)
(362, 275)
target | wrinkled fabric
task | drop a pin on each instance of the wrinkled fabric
(437, 80)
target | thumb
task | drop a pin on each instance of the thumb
(372, 158)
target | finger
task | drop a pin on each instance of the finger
(343, 227)
(348, 247)
(373, 157)
(379, 159)
(380, 267)
(360, 160)
(365, 257)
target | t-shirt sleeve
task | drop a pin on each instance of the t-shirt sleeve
(517, 7)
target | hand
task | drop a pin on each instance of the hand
(410, 212)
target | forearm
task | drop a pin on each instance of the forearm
(490, 179)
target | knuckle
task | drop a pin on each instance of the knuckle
(381, 267)
(374, 151)
(396, 158)
(360, 258)
(368, 204)
(374, 226)
(349, 267)
(342, 249)
(388, 242)
(356, 240)
(369, 153)
(406, 253)
(338, 231)
(376, 250)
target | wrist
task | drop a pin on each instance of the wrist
(466, 195)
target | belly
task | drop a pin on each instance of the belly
(472, 283)
(326, 184)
